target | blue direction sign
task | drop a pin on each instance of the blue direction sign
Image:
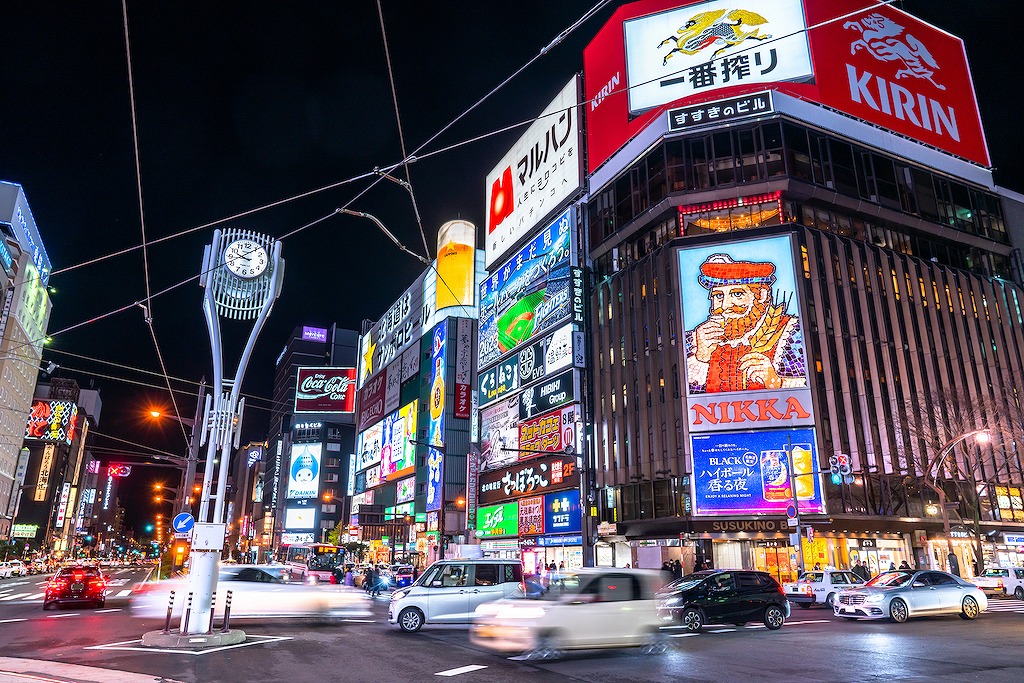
(183, 522)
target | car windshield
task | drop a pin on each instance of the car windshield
(812, 577)
(891, 579)
(997, 572)
(685, 583)
(81, 571)
(562, 584)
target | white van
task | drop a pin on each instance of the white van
(449, 591)
(1005, 580)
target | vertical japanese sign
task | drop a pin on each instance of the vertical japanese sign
(435, 479)
(531, 516)
(62, 507)
(463, 368)
(436, 401)
(472, 481)
(45, 465)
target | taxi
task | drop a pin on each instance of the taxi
(820, 587)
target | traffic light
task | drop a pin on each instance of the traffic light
(842, 472)
(149, 528)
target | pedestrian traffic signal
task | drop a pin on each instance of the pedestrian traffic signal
(837, 478)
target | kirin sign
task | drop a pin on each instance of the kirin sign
(325, 390)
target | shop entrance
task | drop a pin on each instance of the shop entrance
(774, 557)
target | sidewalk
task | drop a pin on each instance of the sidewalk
(15, 670)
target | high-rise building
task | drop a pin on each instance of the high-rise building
(807, 308)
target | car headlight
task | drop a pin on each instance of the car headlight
(672, 601)
(398, 595)
(874, 598)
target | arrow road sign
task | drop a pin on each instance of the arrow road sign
(183, 522)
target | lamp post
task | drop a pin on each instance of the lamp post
(189, 473)
(982, 436)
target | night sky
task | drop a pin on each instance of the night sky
(240, 105)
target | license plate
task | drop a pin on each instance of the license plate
(78, 586)
(847, 610)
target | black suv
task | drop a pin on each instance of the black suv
(729, 596)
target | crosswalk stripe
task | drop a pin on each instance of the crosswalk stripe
(15, 596)
(37, 596)
(124, 593)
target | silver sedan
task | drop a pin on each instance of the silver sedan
(899, 595)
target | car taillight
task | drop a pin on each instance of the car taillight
(79, 577)
(334, 579)
(781, 589)
(57, 583)
(999, 584)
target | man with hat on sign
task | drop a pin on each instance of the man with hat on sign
(749, 342)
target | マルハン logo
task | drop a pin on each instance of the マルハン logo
(887, 41)
(718, 29)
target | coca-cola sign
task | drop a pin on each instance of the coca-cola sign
(325, 390)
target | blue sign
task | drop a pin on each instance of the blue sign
(562, 512)
(435, 479)
(747, 473)
(183, 522)
(557, 541)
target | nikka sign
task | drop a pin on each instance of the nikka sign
(325, 390)
(751, 410)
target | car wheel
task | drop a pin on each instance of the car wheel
(657, 643)
(970, 609)
(410, 620)
(804, 605)
(830, 601)
(692, 619)
(544, 649)
(101, 604)
(774, 617)
(898, 611)
(1018, 593)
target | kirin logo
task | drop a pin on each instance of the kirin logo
(720, 29)
(881, 37)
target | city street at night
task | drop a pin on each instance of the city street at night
(812, 646)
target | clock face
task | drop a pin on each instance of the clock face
(246, 259)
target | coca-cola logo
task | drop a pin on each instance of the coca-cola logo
(328, 390)
(318, 385)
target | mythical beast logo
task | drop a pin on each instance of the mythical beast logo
(720, 29)
(881, 37)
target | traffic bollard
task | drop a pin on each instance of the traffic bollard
(170, 607)
(213, 610)
(227, 614)
(188, 613)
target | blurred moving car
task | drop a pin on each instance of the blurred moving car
(401, 576)
(581, 609)
(257, 591)
(820, 587)
(901, 594)
(78, 584)
(1003, 580)
(9, 569)
(449, 591)
(724, 596)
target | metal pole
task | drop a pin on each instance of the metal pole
(796, 504)
(198, 427)
(227, 614)
(187, 614)
(170, 608)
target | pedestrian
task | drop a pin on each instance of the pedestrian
(666, 567)
(904, 565)
(954, 564)
(677, 569)
(561, 566)
(817, 566)
(415, 573)
(892, 566)
(349, 579)
(628, 566)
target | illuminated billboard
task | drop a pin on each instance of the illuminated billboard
(553, 432)
(436, 399)
(542, 169)
(869, 60)
(325, 390)
(299, 518)
(52, 421)
(304, 471)
(406, 490)
(746, 365)
(533, 477)
(398, 453)
(748, 473)
(558, 350)
(435, 479)
(688, 50)
(499, 434)
(498, 520)
(530, 293)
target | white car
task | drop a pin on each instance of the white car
(582, 609)
(257, 592)
(450, 590)
(820, 587)
(1003, 580)
(12, 568)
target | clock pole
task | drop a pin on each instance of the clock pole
(242, 277)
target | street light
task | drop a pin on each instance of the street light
(981, 436)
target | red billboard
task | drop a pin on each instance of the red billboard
(870, 61)
(52, 421)
(325, 390)
(371, 401)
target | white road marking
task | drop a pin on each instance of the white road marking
(360, 621)
(757, 626)
(9, 621)
(811, 621)
(723, 630)
(684, 635)
(461, 670)
(117, 582)
(105, 611)
(37, 596)
(124, 593)
(135, 646)
(61, 616)
(15, 596)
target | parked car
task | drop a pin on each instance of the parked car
(901, 594)
(1003, 580)
(820, 587)
(580, 609)
(449, 591)
(77, 584)
(728, 596)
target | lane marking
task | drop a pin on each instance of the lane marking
(124, 593)
(135, 646)
(107, 611)
(61, 616)
(723, 630)
(758, 626)
(684, 635)
(461, 670)
(37, 596)
(812, 621)
(15, 596)
(360, 621)
(11, 621)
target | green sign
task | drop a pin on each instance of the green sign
(498, 520)
(24, 530)
(421, 516)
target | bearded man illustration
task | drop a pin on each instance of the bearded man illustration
(749, 342)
